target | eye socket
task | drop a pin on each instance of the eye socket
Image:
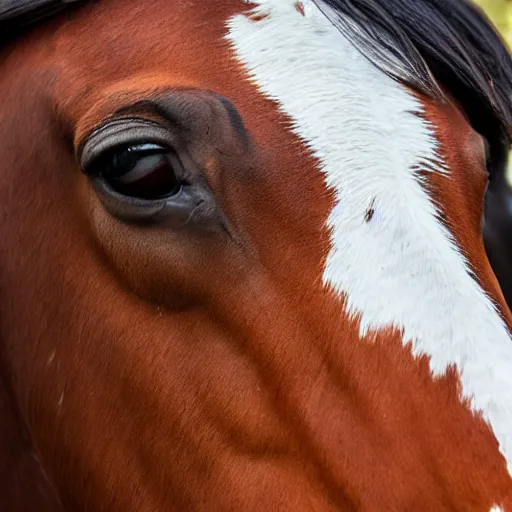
(140, 178)
(142, 171)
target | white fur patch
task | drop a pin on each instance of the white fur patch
(402, 267)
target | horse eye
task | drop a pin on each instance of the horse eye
(145, 171)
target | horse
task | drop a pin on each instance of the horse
(242, 263)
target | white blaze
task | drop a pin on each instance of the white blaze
(401, 268)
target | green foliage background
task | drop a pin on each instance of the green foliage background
(500, 12)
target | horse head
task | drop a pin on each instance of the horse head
(242, 263)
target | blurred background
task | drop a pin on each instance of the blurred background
(500, 12)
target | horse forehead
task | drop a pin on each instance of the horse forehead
(290, 47)
(338, 100)
(343, 105)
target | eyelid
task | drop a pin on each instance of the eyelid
(122, 132)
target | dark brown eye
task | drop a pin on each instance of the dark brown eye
(144, 171)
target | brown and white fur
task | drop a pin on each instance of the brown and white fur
(327, 335)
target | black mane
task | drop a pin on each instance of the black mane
(428, 43)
